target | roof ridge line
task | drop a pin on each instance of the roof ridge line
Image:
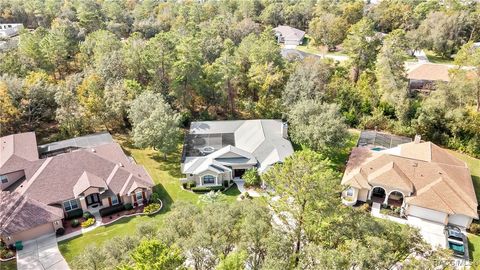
(36, 174)
(443, 201)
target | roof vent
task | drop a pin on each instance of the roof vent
(120, 164)
(93, 150)
(415, 164)
(417, 138)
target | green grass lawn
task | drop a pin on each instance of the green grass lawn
(166, 175)
(474, 247)
(10, 265)
(434, 58)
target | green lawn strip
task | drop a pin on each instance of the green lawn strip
(474, 247)
(10, 265)
(434, 58)
(165, 174)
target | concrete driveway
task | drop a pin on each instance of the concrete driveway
(41, 253)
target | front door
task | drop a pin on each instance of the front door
(238, 173)
(92, 199)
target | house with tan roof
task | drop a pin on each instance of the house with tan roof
(425, 76)
(426, 181)
(52, 188)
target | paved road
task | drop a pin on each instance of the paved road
(41, 253)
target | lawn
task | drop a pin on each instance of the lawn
(10, 265)
(474, 247)
(166, 175)
(434, 58)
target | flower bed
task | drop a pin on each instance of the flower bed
(87, 223)
(151, 208)
(6, 254)
(114, 217)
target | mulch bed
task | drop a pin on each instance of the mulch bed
(113, 217)
(67, 225)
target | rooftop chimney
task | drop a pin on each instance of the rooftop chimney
(417, 138)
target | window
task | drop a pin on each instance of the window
(3, 179)
(70, 205)
(208, 179)
(114, 200)
(139, 196)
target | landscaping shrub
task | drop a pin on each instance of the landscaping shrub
(87, 215)
(87, 223)
(128, 206)
(207, 189)
(60, 231)
(6, 253)
(226, 183)
(475, 228)
(184, 185)
(151, 208)
(154, 197)
(191, 184)
(111, 210)
(75, 223)
(74, 214)
(251, 177)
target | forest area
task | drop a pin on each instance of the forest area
(81, 64)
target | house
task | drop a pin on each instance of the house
(428, 183)
(8, 30)
(38, 192)
(218, 151)
(423, 77)
(289, 36)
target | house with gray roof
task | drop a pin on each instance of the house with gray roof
(83, 176)
(289, 36)
(218, 151)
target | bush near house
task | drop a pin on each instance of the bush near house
(207, 189)
(251, 177)
(87, 215)
(75, 223)
(151, 208)
(475, 228)
(128, 206)
(112, 210)
(89, 222)
(155, 197)
(74, 214)
(226, 183)
(191, 184)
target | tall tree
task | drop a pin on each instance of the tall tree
(8, 112)
(153, 254)
(305, 184)
(361, 46)
(155, 123)
(317, 125)
(328, 30)
(470, 56)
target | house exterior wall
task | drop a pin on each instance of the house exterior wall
(12, 178)
(362, 195)
(427, 214)
(36, 232)
(460, 220)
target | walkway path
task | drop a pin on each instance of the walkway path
(421, 56)
(41, 253)
(241, 187)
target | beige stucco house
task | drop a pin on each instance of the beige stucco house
(423, 179)
(289, 36)
(87, 178)
(217, 151)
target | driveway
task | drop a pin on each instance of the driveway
(41, 253)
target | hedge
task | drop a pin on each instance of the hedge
(77, 213)
(207, 189)
(111, 210)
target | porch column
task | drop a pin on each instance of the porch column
(386, 198)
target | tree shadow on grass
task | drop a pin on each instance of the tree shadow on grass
(171, 165)
(164, 196)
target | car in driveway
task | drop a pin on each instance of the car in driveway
(457, 242)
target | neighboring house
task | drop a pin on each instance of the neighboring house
(217, 151)
(37, 193)
(423, 77)
(289, 36)
(8, 30)
(423, 179)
